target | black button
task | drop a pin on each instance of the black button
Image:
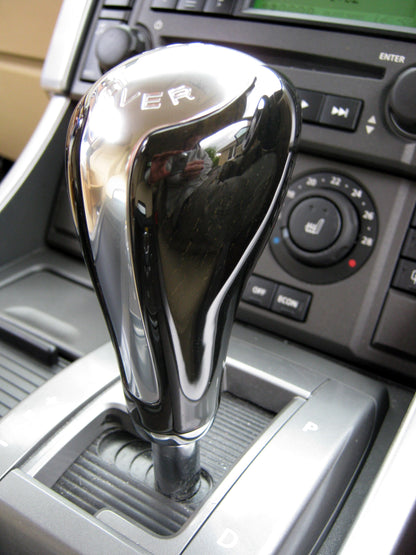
(291, 302)
(405, 276)
(115, 15)
(259, 291)
(341, 112)
(409, 247)
(310, 102)
(314, 224)
(164, 4)
(219, 6)
(190, 5)
(118, 3)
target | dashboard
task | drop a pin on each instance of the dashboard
(356, 153)
(331, 299)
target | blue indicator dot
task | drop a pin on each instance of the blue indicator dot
(276, 240)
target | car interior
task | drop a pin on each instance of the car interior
(191, 368)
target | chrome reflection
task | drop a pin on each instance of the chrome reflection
(177, 162)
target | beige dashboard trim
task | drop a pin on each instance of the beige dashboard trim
(22, 102)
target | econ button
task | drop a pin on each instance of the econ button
(291, 302)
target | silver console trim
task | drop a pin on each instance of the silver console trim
(35, 419)
(62, 52)
(57, 428)
(384, 515)
(304, 474)
(41, 414)
(41, 467)
(34, 149)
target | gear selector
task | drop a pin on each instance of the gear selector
(177, 163)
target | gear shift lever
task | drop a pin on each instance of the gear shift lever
(177, 163)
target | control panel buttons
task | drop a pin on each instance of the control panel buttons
(341, 112)
(277, 297)
(327, 228)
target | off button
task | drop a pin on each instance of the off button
(259, 291)
(291, 302)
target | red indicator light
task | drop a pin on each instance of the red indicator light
(352, 263)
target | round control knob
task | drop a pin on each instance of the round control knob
(327, 228)
(321, 230)
(314, 224)
(119, 43)
(402, 102)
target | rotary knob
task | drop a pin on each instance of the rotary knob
(327, 228)
(402, 103)
(118, 43)
(321, 228)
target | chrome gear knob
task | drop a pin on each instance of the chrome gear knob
(177, 161)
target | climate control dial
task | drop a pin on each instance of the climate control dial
(327, 228)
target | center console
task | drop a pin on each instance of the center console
(356, 153)
(321, 365)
